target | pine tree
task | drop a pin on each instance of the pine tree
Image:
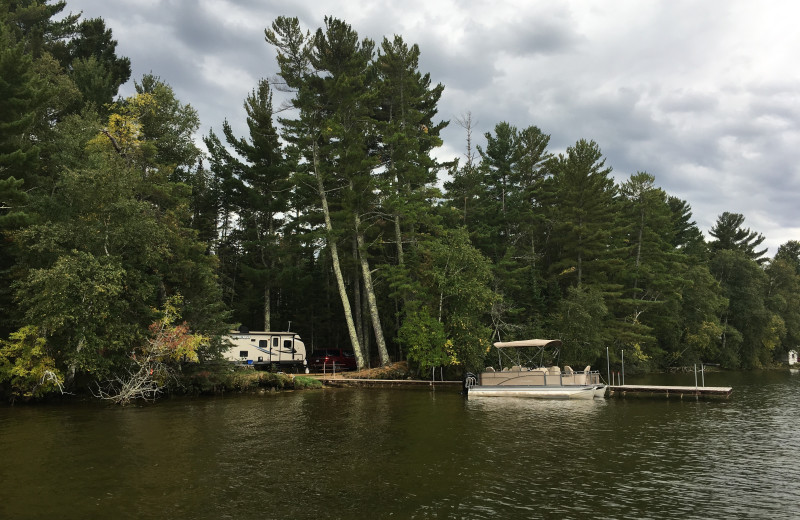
(583, 212)
(312, 132)
(263, 200)
(730, 235)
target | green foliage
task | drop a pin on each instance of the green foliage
(579, 323)
(305, 382)
(730, 235)
(216, 379)
(744, 283)
(26, 368)
(583, 213)
(783, 299)
(254, 185)
(90, 57)
(456, 278)
(425, 340)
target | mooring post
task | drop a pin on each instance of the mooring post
(608, 366)
(623, 367)
(695, 376)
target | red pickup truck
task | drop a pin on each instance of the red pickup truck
(331, 359)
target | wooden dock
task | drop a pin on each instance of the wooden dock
(406, 383)
(671, 391)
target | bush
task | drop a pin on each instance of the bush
(305, 382)
(27, 371)
(215, 378)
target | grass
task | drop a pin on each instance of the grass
(221, 378)
(397, 370)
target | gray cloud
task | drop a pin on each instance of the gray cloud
(702, 95)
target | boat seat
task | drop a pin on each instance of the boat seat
(516, 368)
(489, 369)
(554, 370)
(505, 369)
(568, 369)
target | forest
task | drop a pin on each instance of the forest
(127, 239)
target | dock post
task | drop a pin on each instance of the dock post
(695, 376)
(608, 367)
(623, 367)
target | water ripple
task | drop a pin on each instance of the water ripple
(410, 454)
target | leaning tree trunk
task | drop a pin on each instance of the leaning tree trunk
(337, 269)
(360, 328)
(373, 304)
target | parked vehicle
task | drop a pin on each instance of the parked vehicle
(265, 350)
(331, 359)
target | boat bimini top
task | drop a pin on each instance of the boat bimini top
(529, 351)
(529, 343)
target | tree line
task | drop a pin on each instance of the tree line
(327, 218)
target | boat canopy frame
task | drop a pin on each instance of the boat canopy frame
(528, 351)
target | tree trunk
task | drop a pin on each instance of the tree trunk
(267, 317)
(366, 342)
(360, 328)
(267, 263)
(337, 268)
(398, 233)
(373, 304)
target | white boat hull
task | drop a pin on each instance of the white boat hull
(535, 392)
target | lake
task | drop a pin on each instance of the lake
(395, 453)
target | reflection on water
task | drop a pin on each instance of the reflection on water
(352, 453)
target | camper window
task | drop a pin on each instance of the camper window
(263, 344)
(275, 342)
(287, 345)
(242, 353)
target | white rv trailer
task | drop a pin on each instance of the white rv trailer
(283, 350)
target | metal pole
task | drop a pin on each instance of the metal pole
(703, 374)
(608, 366)
(623, 367)
(695, 375)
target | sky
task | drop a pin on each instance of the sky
(704, 95)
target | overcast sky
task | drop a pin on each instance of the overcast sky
(705, 95)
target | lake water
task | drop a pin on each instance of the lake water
(394, 453)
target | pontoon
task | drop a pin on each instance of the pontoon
(522, 373)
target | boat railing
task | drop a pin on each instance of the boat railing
(552, 376)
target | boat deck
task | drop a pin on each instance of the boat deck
(678, 391)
